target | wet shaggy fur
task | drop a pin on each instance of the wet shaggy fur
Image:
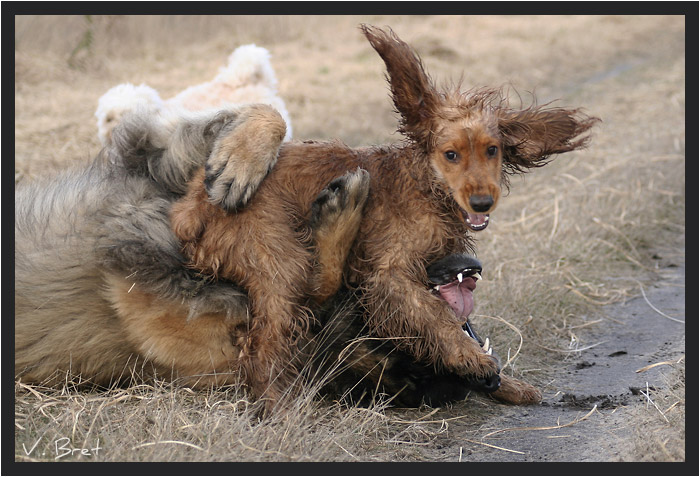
(103, 295)
(101, 289)
(459, 149)
(102, 292)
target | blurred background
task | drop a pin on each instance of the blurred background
(330, 78)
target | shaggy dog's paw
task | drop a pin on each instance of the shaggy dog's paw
(488, 384)
(514, 391)
(244, 153)
(335, 219)
(344, 197)
(467, 358)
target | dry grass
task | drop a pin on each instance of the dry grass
(660, 423)
(161, 422)
(569, 238)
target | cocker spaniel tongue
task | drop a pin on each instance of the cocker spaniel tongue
(459, 296)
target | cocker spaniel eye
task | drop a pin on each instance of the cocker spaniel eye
(492, 151)
(452, 156)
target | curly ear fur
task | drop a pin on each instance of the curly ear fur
(412, 90)
(531, 135)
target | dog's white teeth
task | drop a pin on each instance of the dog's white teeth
(466, 333)
(477, 276)
(490, 352)
(459, 277)
(486, 345)
(436, 287)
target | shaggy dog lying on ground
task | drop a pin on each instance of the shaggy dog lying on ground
(102, 292)
(247, 78)
(426, 195)
(101, 289)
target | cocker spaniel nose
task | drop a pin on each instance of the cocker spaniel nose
(481, 203)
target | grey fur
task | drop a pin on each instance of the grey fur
(168, 146)
(78, 231)
(74, 230)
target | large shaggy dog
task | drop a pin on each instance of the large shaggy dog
(94, 244)
(426, 195)
(102, 292)
(247, 78)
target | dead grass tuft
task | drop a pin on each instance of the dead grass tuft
(164, 422)
(660, 423)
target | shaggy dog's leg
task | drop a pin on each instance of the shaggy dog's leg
(238, 145)
(276, 273)
(335, 220)
(242, 156)
(272, 268)
(514, 391)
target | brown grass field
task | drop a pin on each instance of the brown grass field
(567, 241)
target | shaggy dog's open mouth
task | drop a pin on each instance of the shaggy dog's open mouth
(453, 279)
(476, 222)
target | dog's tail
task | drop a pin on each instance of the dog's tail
(248, 65)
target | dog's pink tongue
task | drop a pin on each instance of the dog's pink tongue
(459, 296)
(475, 222)
(476, 219)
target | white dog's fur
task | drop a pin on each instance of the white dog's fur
(122, 99)
(247, 78)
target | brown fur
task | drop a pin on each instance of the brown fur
(415, 213)
(101, 290)
(212, 348)
(198, 352)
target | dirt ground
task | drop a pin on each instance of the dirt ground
(590, 409)
(585, 257)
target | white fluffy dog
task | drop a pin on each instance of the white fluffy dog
(247, 78)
